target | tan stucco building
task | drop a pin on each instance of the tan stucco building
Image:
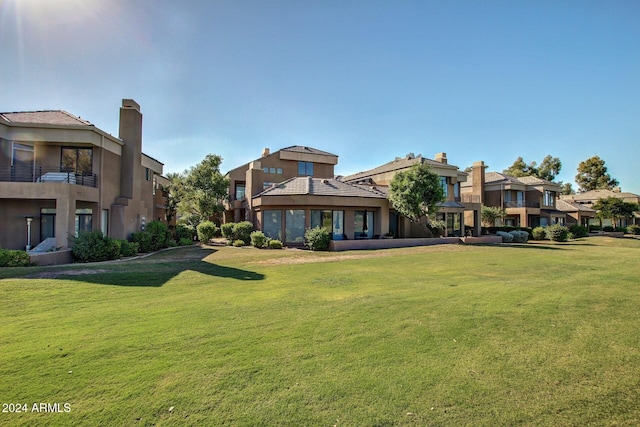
(60, 175)
(285, 192)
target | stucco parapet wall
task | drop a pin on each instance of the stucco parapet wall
(64, 256)
(351, 245)
(308, 157)
(47, 190)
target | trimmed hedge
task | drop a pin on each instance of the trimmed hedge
(506, 237)
(183, 231)
(155, 237)
(557, 233)
(275, 244)
(579, 231)
(539, 233)
(93, 246)
(519, 236)
(258, 239)
(507, 229)
(206, 231)
(127, 249)
(317, 238)
(633, 229)
(14, 258)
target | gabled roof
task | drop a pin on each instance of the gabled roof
(308, 186)
(399, 163)
(306, 150)
(565, 206)
(500, 178)
(600, 194)
(48, 117)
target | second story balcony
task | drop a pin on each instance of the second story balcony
(44, 174)
(521, 204)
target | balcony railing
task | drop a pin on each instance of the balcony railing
(45, 174)
(521, 204)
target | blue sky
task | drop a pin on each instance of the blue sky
(366, 80)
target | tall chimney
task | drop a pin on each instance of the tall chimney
(441, 157)
(131, 134)
(477, 180)
(265, 152)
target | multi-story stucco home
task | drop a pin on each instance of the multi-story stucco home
(529, 201)
(589, 198)
(60, 175)
(285, 192)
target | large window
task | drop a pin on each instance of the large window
(47, 223)
(272, 224)
(305, 168)
(294, 226)
(445, 186)
(77, 160)
(83, 220)
(23, 162)
(549, 198)
(333, 221)
(363, 225)
(240, 191)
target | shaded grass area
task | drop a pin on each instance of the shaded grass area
(539, 334)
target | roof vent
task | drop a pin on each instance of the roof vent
(325, 181)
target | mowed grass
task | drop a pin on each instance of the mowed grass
(536, 335)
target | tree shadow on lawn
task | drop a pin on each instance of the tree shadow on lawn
(151, 271)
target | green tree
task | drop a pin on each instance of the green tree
(519, 168)
(489, 214)
(567, 188)
(592, 175)
(614, 209)
(175, 192)
(416, 193)
(549, 168)
(204, 188)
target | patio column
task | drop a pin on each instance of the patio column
(65, 219)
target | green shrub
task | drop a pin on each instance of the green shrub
(206, 231)
(258, 239)
(519, 236)
(579, 231)
(437, 227)
(93, 246)
(539, 233)
(185, 242)
(183, 231)
(557, 233)
(14, 258)
(127, 249)
(275, 244)
(317, 238)
(160, 235)
(608, 228)
(506, 237)
(239, 243)
(633, 229)
(144, 241)
(242, 231)
(227, 230)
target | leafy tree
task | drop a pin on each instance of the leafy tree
(567, 188)
(415, 193)
(175, 193)
(520, 168)
(204, 188)
(489, 215)
(592, 175)
(549, 168)
(614, 209)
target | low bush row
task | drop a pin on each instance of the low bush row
(14, 258)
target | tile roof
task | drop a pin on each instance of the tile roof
(600, 194)
(300, 186)
(565, 206)
(50, 117)
(306, 150)
(496, 177)
(398, 164)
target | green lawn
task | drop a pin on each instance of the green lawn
(537, 335)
